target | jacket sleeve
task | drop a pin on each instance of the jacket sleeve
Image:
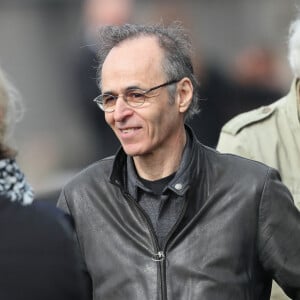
(279, 235)
(87, 281)
(62, 203)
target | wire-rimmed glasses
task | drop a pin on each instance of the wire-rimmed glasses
(134, 97)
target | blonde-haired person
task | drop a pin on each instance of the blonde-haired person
(271, 134)
(38, 256)
(12, 181)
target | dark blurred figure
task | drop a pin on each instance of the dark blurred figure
(38, 254)
(97, 13)
(38, 257)
(214, 89)
(250, 84)
(255, 79)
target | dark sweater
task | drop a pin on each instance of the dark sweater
(38, 258)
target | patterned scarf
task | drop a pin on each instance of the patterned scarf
(13, 184)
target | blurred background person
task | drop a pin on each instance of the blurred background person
(41, 45)
(38, 257)
(95, 14)
(255, 79)
(271, 134)
(98, 141)
(251, 81)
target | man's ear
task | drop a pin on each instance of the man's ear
(184, 94)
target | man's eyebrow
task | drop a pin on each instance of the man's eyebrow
(108, 92)
(131, 87)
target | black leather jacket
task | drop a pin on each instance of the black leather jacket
(238, 229)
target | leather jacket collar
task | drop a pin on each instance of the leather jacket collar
(123, 173)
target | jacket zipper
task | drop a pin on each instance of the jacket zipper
(160, 255)
(163, 262)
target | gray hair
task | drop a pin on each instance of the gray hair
(11, 111)
(173, 39)
(294, 47)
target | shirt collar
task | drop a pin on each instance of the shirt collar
(179, 184)
(293, 104)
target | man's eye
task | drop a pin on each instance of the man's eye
(135, 95)
(108, 99)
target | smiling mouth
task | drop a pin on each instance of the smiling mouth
(128, 130)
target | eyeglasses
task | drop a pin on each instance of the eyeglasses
(134, 97)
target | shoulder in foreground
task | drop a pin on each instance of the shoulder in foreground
(241, 121)
(50, 213)
(37, 217)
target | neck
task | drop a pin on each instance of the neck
(162, 162)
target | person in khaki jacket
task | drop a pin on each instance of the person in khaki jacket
(271, 134)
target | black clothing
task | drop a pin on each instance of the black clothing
(38, 254)
(227, 244)
(162, 208)
(157, 186)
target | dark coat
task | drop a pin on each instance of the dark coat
(38, 257)
(239, 229)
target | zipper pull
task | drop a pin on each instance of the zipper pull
(159, 256)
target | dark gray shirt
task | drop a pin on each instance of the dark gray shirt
(163, 209)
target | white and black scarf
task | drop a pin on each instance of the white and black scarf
(13, 184)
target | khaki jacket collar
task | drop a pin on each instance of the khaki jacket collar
(293, 104)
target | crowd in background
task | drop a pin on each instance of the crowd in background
(63, 131)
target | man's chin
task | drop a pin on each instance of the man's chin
(133, 152)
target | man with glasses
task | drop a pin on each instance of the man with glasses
(166, 217)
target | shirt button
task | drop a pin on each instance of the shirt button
(178, 186)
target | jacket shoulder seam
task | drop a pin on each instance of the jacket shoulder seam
(235, 125)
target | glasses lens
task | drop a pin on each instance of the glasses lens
(108, 102)
(135, 97)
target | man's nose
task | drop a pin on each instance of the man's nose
(122, 109)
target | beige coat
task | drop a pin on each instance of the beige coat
(270, 134)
